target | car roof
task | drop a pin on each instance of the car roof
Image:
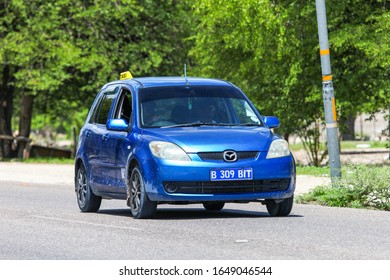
(146, 82)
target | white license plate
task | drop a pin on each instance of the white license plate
(231, 174)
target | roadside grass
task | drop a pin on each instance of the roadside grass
(361, 186)
(372, 144)
(346, 145)
(322, 171)
(44, 160)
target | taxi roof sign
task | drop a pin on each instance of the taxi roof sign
(125, 75)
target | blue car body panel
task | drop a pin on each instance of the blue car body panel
(109, 155)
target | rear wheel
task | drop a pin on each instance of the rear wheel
(281, 209)
(141, 206)
(213, 205)
(86, 199)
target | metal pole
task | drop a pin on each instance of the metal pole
(328, 94)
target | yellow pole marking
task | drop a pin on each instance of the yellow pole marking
(334, 109)
(324, 52)
(327, 78)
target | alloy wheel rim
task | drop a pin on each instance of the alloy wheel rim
(136, 191)
(81, 188)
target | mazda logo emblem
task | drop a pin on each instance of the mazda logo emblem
(229, 156)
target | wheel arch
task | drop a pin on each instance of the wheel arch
(144, 167)
(133, 163)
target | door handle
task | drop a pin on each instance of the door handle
(105, 137)
(88, 133)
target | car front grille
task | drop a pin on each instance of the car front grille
(219, 155)
(226, 187)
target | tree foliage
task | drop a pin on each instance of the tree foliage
(360, 42)
(266, 48)
(56, 54)
(62, 52)
(271, 50)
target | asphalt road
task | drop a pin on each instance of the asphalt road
(42, 221)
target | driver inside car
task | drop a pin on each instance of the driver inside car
(150, 114)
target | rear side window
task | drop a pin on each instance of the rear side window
(103, 109)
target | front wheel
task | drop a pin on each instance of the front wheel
(141, 206)
(86, 199)
(281, 209)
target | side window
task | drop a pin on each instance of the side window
(95, 110)
(103, 109)
(124, 108)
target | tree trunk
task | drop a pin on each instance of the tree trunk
(348, 128)
(286, 136)
(26, 105)
(6, 106)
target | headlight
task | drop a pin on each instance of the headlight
(167, 150)
(278, 148)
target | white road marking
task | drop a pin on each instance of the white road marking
(242, 241)
(84, 223)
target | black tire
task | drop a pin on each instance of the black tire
(141, 206)
(281, 209)
(213, 205)
(86, 199)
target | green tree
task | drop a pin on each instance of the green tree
(271, 50)
(36, 55)
(360, 46)
(146, 37)
(57, 55)
(266, 49)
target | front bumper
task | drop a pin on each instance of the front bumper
(174, 181)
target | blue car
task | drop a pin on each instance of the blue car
(180, 140)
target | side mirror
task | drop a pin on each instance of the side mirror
(117, 125)
(271, 122)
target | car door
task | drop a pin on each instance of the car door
(116, 146)
(88, 137)
(97, 136)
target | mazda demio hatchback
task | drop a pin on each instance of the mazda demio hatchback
(177, 140)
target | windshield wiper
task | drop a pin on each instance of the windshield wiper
(248, 124)
(216, 124)
(196, 124)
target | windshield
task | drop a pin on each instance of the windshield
(195, 106)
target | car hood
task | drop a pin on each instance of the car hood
(207, 139)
